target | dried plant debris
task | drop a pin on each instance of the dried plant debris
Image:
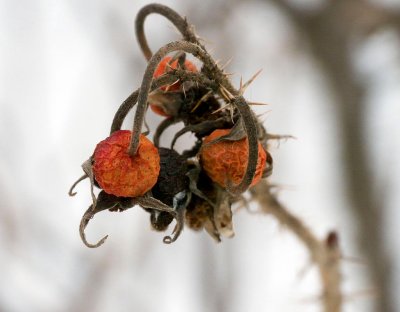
(197, 187)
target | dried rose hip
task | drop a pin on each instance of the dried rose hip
(123, 175)
(227, 160)
(166, 65)
(161, 69)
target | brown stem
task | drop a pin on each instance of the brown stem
(166, 79)
(180, 23)
(71, 190)
(161, 128)
(324, 253)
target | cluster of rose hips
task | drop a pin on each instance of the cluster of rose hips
(198, 186)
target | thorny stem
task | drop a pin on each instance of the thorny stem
(218, 76)
(170, 77)
(325, 254)
(180, 23)
(146, 84)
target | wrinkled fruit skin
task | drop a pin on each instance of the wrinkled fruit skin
(119, 174)
(161, 69)
(227, 160)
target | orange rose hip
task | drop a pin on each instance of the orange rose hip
(163, 68)
(165, 65)
(123, 175)
(227, 160)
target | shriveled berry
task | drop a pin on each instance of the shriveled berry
(227, 160)
(163, 68)
(118, 173)
(172, 178)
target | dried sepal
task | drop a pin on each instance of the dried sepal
(152, 203)
(113, 203)
(204, 210)
(104, 202)
(237, 133)
(223, 213)
(71, 190)
(87, 167)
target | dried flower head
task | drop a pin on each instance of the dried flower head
(131, 171)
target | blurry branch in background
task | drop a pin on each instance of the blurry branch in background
(331, 31)
(325, 254)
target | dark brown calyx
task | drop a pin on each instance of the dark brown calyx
(172, 178)
(170, 188)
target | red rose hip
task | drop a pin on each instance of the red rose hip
(227, 160)
(123, 175)
(163, 67)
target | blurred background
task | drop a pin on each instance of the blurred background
(331, 77)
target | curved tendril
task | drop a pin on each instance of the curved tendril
(71, 190)
(123, 110)
(180, 23)
(89, 214)
(204, 126)
(177, 230)
(87, 168)
(152, 203)
(167, 122)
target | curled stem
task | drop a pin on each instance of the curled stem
(167, 122)
(71, 190)
(180, 23)
(89, 214)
